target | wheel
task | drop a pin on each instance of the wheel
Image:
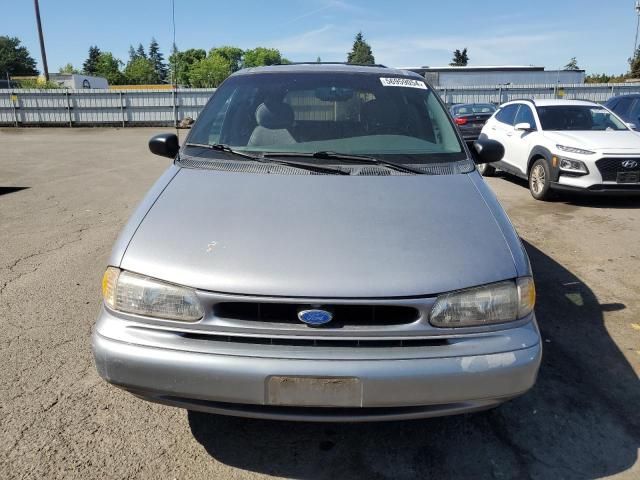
(486, 170)
(540, 180)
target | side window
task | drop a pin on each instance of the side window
(507, 114)
(525, 115)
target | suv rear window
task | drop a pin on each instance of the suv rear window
(400, 118)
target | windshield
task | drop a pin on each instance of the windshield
(396, 118)
(578, 117)
(474, 108)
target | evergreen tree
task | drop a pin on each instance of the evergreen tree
(634, 65)
(140, 51)
(90, 65)
(460, 58)
(572, 65)
(132, 53)
(157, 60)
(15, 59)
(361, 52)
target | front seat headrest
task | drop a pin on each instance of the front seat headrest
(274, 116)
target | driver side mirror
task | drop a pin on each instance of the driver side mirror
(487, 151)
(165, 145)
(524, 126)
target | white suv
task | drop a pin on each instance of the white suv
(565, 144)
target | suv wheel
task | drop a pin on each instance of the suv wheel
(540, 180)
(486, 170)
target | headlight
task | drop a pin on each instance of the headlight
(494, 303)
(573, 166)
(580, 151)
(132, 293)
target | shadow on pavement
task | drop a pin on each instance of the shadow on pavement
(5, 190)
(579, 421)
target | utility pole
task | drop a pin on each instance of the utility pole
(635, 42)
(42, 50)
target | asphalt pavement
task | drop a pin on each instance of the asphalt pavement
(66, 193)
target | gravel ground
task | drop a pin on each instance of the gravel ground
(65, 194)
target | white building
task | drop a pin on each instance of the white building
(497, 75)
(76, 80)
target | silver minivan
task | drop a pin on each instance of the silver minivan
(256, 279)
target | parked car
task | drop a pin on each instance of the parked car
(565, 145)
(627, 107)
(256, 279)
(471, 117)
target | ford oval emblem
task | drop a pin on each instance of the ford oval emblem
(315, 317)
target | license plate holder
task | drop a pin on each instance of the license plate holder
(628, 177)
(314, 391)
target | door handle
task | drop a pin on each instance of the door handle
(509, 134)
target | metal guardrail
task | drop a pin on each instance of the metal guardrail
(128, 108)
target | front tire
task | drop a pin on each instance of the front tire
(486, 170)
(540, 180)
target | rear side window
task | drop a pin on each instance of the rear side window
(507, 114)
(525, 115)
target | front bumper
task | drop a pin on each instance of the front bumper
(394, 383)
(592, 183)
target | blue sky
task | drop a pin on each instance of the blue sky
(402, 33)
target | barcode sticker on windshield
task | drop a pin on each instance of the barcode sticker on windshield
(403, 82)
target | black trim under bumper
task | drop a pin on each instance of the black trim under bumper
(600, 189)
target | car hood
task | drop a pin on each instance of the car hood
(321, 235)
(599, 141)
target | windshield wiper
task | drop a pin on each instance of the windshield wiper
(263, 159)
(222, 148)
(354, 158)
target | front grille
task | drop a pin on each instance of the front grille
(610, 167)
(343, 315)
(319, 342)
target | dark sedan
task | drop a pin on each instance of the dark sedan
(471, 117)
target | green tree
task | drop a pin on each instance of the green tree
(460, 58)
(361, 52)
(15, 59)
(38, 83)
(260, 56)
(91, 63)
(108, 66)
(232, 54)
(140, 51)
(132, 53)
(572, 65)
(140, 71)
(157, 60)
(180, 63)
(634, 65)
(209, 72)
(68, 68)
